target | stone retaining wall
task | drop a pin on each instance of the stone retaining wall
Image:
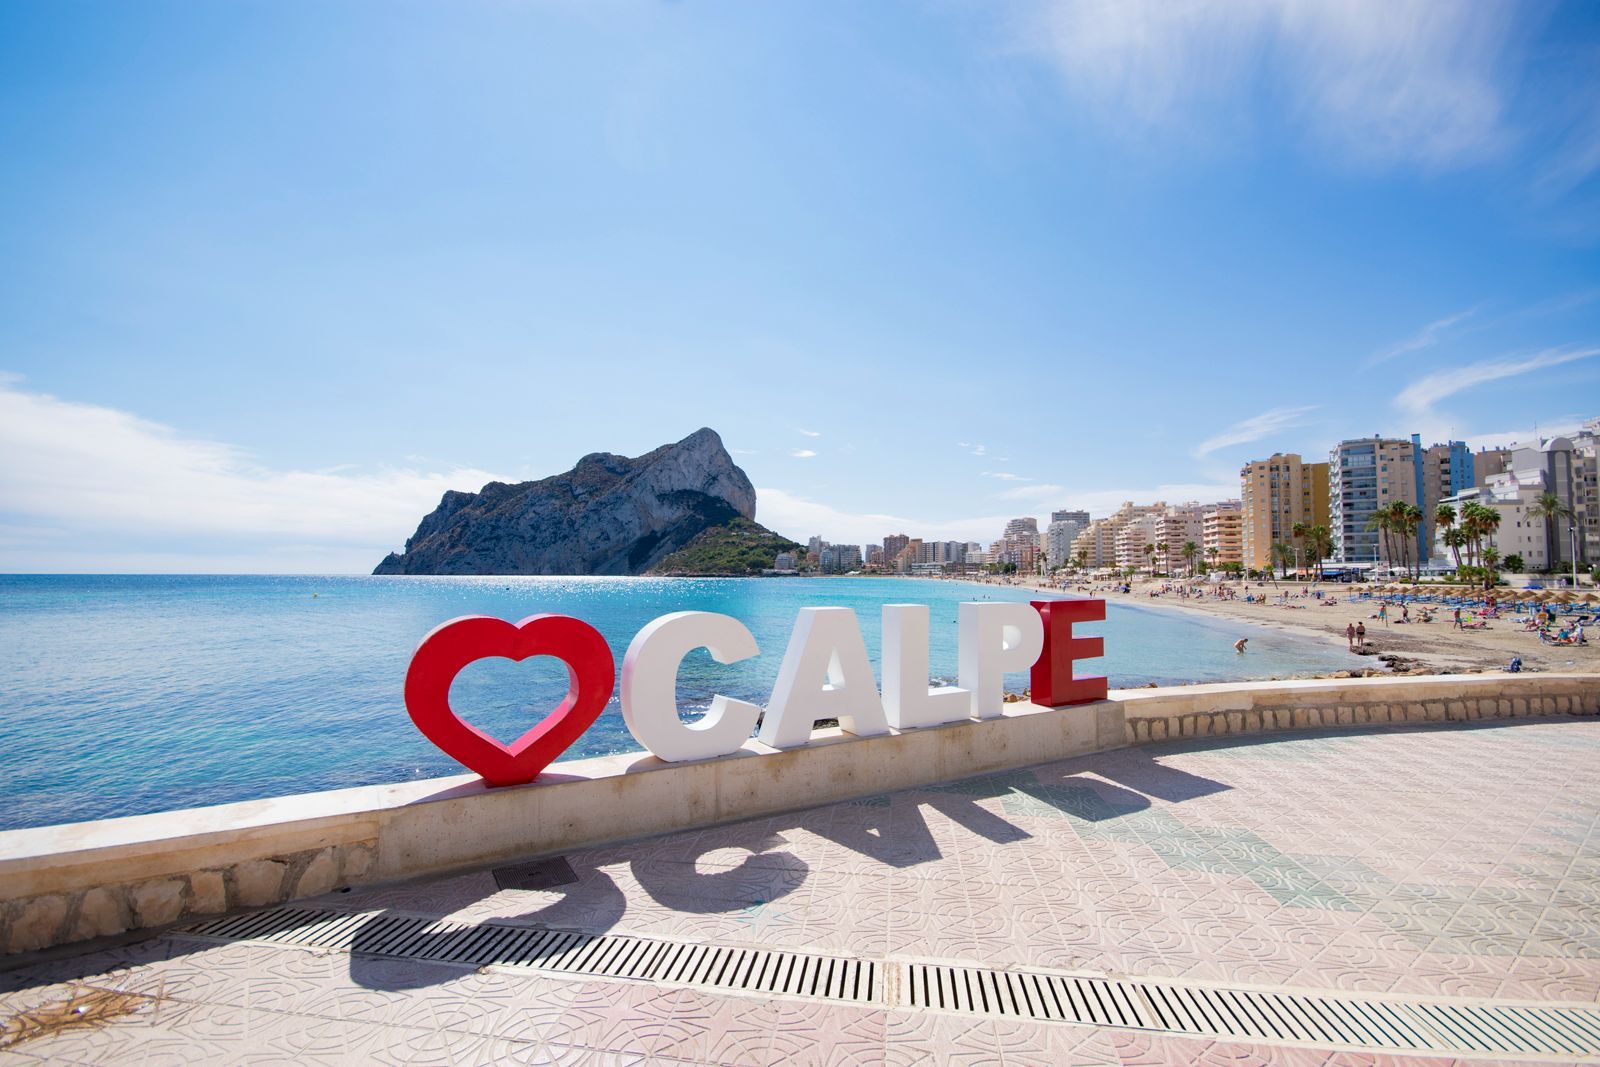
(80, 881)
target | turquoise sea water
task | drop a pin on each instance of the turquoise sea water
(131, 694)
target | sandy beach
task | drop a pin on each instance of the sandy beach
(1425, 647)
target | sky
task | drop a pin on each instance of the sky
(275, 275)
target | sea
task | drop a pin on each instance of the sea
(127, 694)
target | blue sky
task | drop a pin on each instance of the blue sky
(274, 275)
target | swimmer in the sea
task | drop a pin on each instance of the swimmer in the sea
(1238, 646)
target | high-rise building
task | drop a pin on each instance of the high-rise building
(1442, 471)
(1489, 462)
(1020, 529)
(893, 545)
(1060, 534)
(1365, 474)
(1274, 494)
(1564, 466)
(1222, 527)
(1132, 537)
(1178, 525)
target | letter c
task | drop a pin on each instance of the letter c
(650, 685)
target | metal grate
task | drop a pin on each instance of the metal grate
(782, 973)
(539, 874)
(1434, 1025)
(1320, 1018)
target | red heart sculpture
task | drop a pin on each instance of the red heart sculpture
(453, 645)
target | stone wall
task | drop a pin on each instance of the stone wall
(80, 881)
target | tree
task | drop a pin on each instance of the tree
(1414, 519)
(1285, 553)
(1150, 557)
(1319, 545)
(1444, 516)
(1298, 533)
(1491, 556)
(1514, 563)
(1550, 507)
(1082, 559)
(1190, 551)
(1380, 522)
(1161, 550)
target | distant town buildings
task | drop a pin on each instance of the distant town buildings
(1279, 494)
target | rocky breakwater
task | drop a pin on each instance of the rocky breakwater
(608, 515)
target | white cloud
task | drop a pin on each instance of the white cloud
(973, 447)
(1005, 476)
(1253, 429)
(802, 453)
(1376, 81)
(1037, 493)
(796, 516)
(1559, 427)
(91, 470)
(1419, 398)
(811, 433)
(1426, 337)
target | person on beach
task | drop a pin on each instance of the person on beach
(1350, 635)
(1383, 613)
(1458, 618)
(1238, 646)
(1361, 634)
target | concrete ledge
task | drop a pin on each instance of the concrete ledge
(60, 884)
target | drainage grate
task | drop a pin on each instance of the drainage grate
(1323, 1019)
(795, 974)
(539, 874)
(1433, 1025)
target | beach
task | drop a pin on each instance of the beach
(1431, 647)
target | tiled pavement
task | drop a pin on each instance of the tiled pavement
(1452, 860)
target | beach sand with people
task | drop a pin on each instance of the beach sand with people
(1425, 647)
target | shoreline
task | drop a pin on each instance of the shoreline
(1397, 649)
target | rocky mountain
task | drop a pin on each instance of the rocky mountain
(608, 515)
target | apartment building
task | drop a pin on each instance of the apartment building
(1222, 532)
(1274, 494)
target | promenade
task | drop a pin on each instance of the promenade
(1284, 898)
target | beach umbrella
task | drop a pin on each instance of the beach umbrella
(1591, 598)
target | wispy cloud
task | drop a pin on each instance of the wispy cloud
(811, 433)
(1418, 398)
(972, 447)
(1254, 428)
(88, 471)
(1426, 337)
(1006, 476)
(802, 453)
(1374, 81)
(1039, 494)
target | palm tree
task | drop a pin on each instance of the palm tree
(1297, 534)
(1414, 519)
(1190, 551)
(1445, 516)
(1550, 507)
(1213, 552)
(1320, 546)
(1399, 525)
(1150, 552)
(1081, 559)
(1285, 553)
(1491, 556)
(1380, 522)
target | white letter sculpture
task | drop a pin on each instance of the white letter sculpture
(825, 675)
(995, 639)
(907, 700)
(650, 685)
